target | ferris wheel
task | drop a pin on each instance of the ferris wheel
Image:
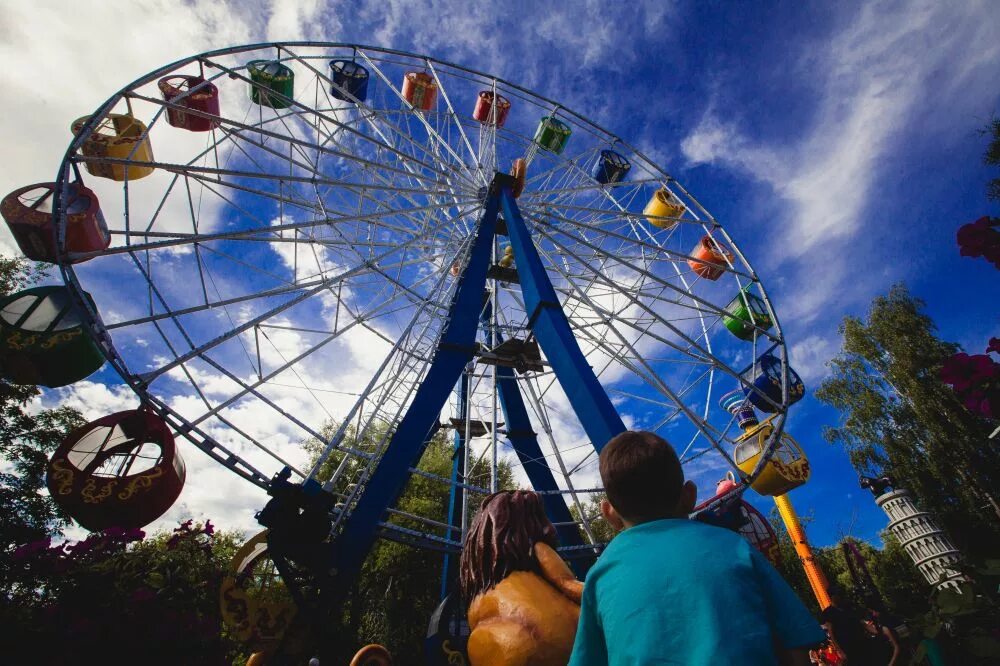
(273, 243)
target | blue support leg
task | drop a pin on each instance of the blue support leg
(456, 348)
(525, 444)
(547, 320)
(524, 440)
(449, 570)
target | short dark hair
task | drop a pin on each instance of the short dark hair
(642, 476)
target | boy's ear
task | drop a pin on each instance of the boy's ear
(612, 516)
(689, 495)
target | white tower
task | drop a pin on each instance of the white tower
(922, 538)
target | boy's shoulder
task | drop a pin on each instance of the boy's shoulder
(669, 548)
(674, 533)
(674, 526)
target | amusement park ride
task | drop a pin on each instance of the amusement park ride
(311, 206)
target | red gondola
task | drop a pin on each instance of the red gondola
(484, 111)
(28, 213)
(194, 93)
(121, 470)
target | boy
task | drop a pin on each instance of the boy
(669, 590)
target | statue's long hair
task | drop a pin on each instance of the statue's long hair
(501, 540)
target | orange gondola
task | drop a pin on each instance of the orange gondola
(709, 259)
(420, 90)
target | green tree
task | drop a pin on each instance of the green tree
(900, 585)
(27, 437)
(392, 600)
(897, 578)
(898, 418)
(603, 532)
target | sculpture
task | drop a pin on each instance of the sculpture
(877, 486)
(524, 602)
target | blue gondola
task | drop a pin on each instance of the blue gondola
(765, 376)
(610, 168)
(350, 80)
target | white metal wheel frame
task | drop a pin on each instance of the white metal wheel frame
(249, 272)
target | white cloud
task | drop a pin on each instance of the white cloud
(295, 20)
(810, 355)
(874, 80)
(61, 65)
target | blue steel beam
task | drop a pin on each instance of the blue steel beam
(455, 349)
(525, 443)
(449, 570)
(547, 320)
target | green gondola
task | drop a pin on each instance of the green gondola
(744, 312)
(43, 340)
(552, 134)
(271, 75)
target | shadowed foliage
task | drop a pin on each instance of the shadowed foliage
(899, 418)
(392, 600)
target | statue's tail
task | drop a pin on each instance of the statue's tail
(372, 655)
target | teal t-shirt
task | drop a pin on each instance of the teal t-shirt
(683, 592)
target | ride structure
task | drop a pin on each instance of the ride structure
(784, 471)
(333, 239)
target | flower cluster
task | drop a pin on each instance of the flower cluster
(976, 380)
(189, 532)
(43, 556)
(981, 239)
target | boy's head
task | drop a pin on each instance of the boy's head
(643, 480)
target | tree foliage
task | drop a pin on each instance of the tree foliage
(602, 531)
(898, 582)
(898, 418)
(27, 437)
(117, 597)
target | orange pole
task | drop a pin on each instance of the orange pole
(798, 535)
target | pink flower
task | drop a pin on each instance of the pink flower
(980, 239)
(955, 371)
(976, 381)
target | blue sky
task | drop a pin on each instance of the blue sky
(837, 143)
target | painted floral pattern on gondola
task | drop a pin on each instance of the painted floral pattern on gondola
(121, 470)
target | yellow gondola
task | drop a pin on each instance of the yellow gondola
(663, 208)
(255, 604)
(787, 469)
(119, 136)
